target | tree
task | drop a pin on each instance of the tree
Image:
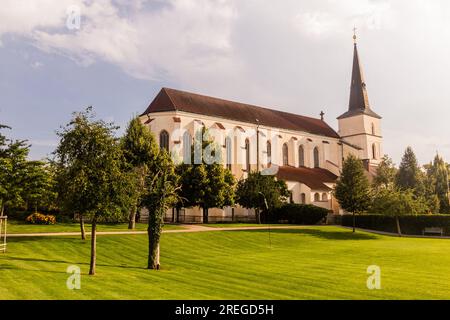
(39, 184)
(13, 166)
(397, 203)
(140, 151)
(437, 182)
(162, 193)
(409, 175)
(385, 175)
(206, 183)
(352, 189)
(90, 160)
(258, 191)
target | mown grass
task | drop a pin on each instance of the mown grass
(15, 227)
(302, 263)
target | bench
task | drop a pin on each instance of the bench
(434, 230)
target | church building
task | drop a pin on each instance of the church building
(305, 152)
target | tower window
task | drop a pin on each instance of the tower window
(373, 129)
(374, 151)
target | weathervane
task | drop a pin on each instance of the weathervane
(354, 34)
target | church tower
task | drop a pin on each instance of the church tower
(360, 126)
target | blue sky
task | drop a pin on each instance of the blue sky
(289, 55)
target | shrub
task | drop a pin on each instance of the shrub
(410, 224)
(39, 218)
(298, 214)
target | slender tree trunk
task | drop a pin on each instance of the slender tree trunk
(205, 214)
(399, 231)
(178, 215)
(354, 222)
(153, 249)
(83, 231)
(93, 246)
(132, 218)
(2, 208)
(258, 216)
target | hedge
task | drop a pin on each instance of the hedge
(297, 214)
(409, 224)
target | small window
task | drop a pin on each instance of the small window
(164, 140)
(285, 155)
(269, 152)
(373, 129)
(228, 151)
(324, 197)
(247, 155)
(374, 151)
(316, 197)
(301, 156)
(316, 158)
(187, 146)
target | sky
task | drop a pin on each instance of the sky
(60, 56)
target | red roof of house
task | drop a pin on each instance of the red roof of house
(315, 178)
(176, 100)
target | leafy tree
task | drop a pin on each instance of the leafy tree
(397, 203)
(409, 175)
(207, 183)
(437, 182)
(140, 151)
(352, 188)
(385, 175)
(90, 164)
(258, 191)
(162, 194)
(39, 186)
(13, 167)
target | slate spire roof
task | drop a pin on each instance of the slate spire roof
(359, 100)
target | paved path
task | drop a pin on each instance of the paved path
(186, 228)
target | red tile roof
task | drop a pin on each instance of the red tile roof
(315, 178)
(176, 100)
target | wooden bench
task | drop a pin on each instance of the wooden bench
(433, 230)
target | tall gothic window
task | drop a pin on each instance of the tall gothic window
(373, 129)
(228, 151)
(316, 158)
(187, 146)
(301, 156)
(247, 155)
(285, 154)
(164, 140)
(374, 151)
(269, 152)
(303, 198)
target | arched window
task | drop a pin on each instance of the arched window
(164, 140)
(324, 197)
(301, 156)
(303, 198)
(316, 197)
(374, 151)
(373, 128)
(247, 155)
(269, 152)
(285, 154)
(187, 145)
(316, 158)
(228, 151)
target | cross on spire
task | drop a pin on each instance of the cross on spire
(354, 34)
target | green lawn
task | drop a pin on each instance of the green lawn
(303, 263)
(238, 224)
(22, 227)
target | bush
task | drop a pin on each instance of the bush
(298, 214)
(39, 218)
(410, 224)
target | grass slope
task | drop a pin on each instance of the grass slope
(15, 227)
(304, 263)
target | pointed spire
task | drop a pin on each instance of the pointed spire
(359, 99)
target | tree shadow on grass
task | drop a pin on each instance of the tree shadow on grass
(323, 234)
